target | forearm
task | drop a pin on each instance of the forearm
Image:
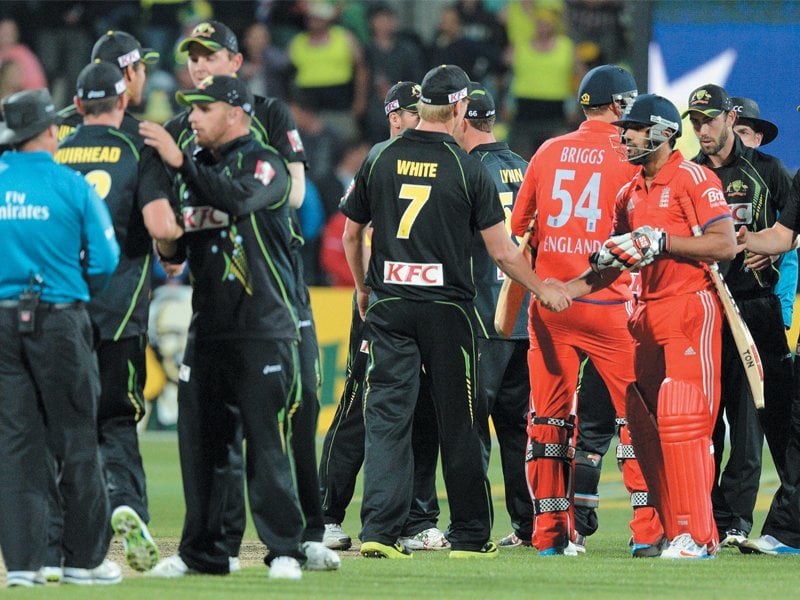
(775, 240)
(590, 282)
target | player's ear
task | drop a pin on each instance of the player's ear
(78, 104)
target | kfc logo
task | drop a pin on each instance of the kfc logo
(742, 213)
(264, 172)
(423, 274)
(197, 218)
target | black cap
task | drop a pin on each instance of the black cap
(445, 84)
(219, 88)
(402, 95)
(747, 111)
(100, 80)
(213, 35)
(652, 111)
(26, 114)
(709, 100)
(122, 49)
(481, 104)
(604, 85)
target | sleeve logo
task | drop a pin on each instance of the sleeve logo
(264, 172)
(295, 141)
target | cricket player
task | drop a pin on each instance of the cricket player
(677, 326)
(572, 183)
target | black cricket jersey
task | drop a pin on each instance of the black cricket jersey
(790, 216)
(114, 163)
(274, 125)
(236, 217)
(757, 186)
(507, 170)
(426, 199)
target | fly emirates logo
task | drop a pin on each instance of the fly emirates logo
(402, 273)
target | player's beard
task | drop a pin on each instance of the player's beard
(717, 147)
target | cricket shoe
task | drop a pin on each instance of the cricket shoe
(684, 547)
(170, 568)
(334, 538)
(649, 550)
(513, 541)
(319, 557)
(766, 544)
(106, 573)
(378, 550)
(141, 551)
(52, 574)
(580, 543)
(429, 539)
(733, 538)
(234, 564)
(569, 550)
(24, 578)
(489, 550)
(285, 567)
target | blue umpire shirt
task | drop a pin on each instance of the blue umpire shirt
(52, 224)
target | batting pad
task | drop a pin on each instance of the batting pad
(684, 422)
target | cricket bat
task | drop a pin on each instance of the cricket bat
(748, 353)
(511, 295)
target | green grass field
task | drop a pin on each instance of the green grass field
(606, 571)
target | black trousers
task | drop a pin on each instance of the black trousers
(505, 387)
(49, 388)
(596, 429)
(122, 405)
(736, 486)
(303, 443)
(404, 335)
(343, 447)
(259, 377)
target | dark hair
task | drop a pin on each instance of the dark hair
(486, 124)
(100, 106)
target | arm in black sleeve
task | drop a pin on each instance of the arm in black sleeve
(251, 182)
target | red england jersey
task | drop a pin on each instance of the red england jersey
(680, 185)
(572, 181)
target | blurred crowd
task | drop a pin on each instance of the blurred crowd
(333, 62)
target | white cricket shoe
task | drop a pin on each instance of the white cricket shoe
(141, 551)
(319, 557)
(334, 538)
(234, 564)
(285, 567)
(170, 567)
(767, 544)
(24, 578)
(106, 573)
(429, 539)
(684, 547)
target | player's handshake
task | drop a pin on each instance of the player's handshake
(554, 296)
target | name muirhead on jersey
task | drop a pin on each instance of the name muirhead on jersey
(88, 154)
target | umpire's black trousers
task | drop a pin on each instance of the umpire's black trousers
(48, 396)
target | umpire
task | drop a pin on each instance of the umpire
(426, 199)
(48, 375)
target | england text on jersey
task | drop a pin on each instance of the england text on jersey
(88, 154)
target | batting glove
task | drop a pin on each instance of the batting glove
(609, 255)
(647, 243)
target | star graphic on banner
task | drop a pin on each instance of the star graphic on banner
(716, 70)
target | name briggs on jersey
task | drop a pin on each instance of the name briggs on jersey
(586, 156)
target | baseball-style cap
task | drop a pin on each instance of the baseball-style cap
(219, 88)
(748, 113)
(445, 84)
(100, 80)
(606, 84)
(122, 49)
(481, 104)
(213, 35)
(25, 115)
(402, 95)
(652, 110)
(709, 100)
